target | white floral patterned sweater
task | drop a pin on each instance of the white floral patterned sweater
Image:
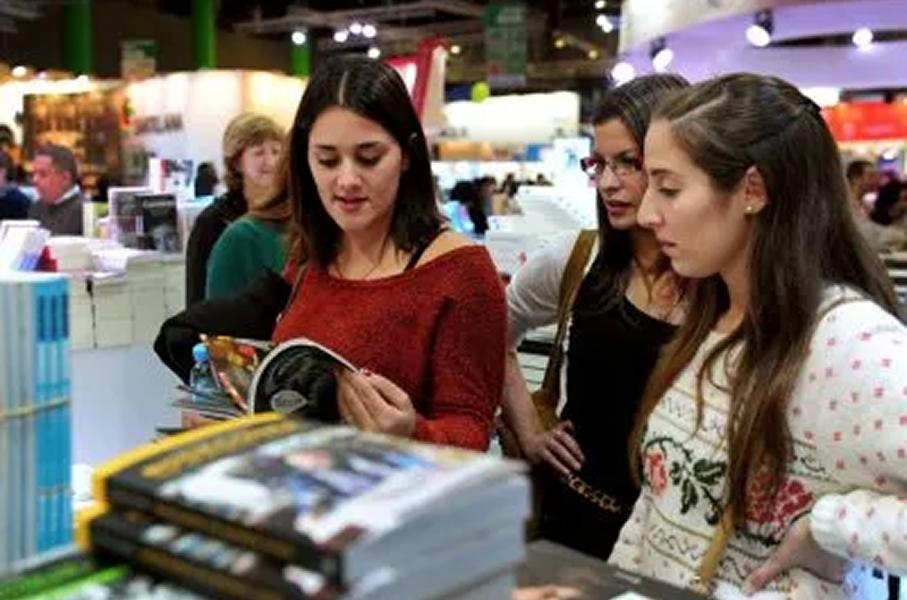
(848, 420)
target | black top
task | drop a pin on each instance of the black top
(208, 227)
(609, 360)
(13, 204)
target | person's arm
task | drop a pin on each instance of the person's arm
(532, 301)
(237, 258)
(467, 363)
(860, 427)
(251, 314)
(207, 228)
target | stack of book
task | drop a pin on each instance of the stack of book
(21, 244)
(35, 509)
(272, 507)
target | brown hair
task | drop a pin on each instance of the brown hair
(245, 130)
(804, 239)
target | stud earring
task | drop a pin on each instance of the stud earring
(749, 208)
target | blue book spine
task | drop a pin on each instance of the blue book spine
(42, 370)
(62, 526)
(6, 450)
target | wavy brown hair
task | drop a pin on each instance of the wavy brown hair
(804, 239)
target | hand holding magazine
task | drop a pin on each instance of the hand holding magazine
(298, 376)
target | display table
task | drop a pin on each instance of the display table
(549, 564)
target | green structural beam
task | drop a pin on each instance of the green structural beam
(300, 60)
(203, 34)
(77, 36)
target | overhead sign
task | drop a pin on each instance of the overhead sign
(866, 121)
(138, 58)
(505, 43)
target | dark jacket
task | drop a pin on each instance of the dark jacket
(13, 204)
(63, 218)
(208, 227)
(250, 314)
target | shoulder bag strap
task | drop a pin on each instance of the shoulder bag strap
(570, 282)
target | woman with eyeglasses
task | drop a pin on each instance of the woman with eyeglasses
(625, 309)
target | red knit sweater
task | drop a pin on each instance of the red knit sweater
(438, 331)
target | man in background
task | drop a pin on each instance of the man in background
(863, 178)
(13, 203)
(59, 205)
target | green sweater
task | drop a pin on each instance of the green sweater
(246, 250)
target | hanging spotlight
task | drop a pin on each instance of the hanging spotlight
(356, 28)
(623, 72)
(298, 38)
(369, 31)
(592, 54)
(374, 52)
(862, 37)
(661, 55)
(760, 32)
(456, 49)
(19, 71)
(560, 43)
(599, 4)
(341, 35)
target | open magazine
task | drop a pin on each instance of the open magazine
(298, 376)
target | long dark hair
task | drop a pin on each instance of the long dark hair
(632, 103)
(804, 239)
(376, 92)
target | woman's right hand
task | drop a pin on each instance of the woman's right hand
(556, 447)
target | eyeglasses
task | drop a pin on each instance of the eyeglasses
(622, 166)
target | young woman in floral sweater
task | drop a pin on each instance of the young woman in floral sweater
(779, 412)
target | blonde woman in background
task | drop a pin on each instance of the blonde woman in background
(252, 148)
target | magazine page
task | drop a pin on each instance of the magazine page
(299, 376)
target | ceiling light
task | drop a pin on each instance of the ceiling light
(374, 52)
(599, 4)
(560, 43)
(605, 23)
(760, 32)
(356, 28)
(83, 78)
(341, 35)
(862, 37)
(42, 74)
(890, 154)
(19, 71)
(661, 55)
(592, 54)
(298, 38)
(456, 49)
(369, 31)
(623, 72)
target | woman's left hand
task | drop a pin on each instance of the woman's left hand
(798, 549)
(374, 403)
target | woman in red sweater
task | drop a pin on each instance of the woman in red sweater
(418, 308)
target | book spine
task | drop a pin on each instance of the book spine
(194, 574)
(64, 419)
(287, 549)
(6, 449)
(43, 298)
(29, 404)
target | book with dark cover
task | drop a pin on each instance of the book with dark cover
(198, 562)
(548, 564)
(323, 497)
(159, 223)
